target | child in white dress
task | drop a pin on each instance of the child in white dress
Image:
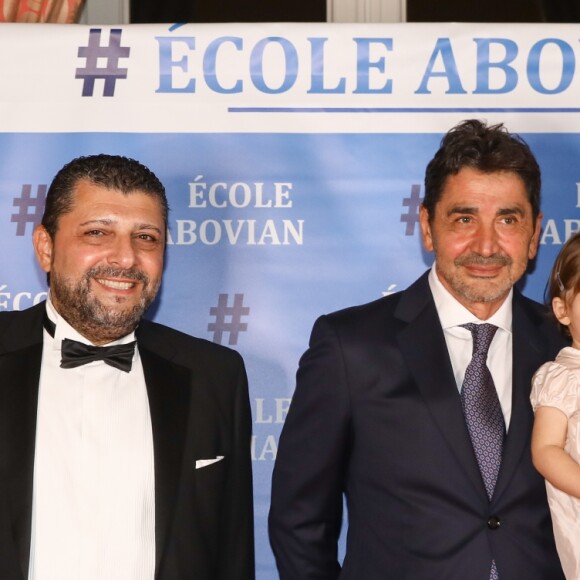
(556, 401)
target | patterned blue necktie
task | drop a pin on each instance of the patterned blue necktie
(481, 407)
(482, 411)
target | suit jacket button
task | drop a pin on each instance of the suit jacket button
(493, 523)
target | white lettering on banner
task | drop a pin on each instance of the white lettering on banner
(555, 234)
(238, 195)
(233, 232)
(276, 415)
(268, 412)
(264, 449)
(20, 300)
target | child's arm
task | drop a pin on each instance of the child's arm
(548, 455)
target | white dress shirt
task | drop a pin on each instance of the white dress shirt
(93, 512)
(459, 340)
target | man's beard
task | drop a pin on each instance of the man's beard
(87, 315)
(490, 291)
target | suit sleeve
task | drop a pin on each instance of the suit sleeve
(308, 482)
(237, 527)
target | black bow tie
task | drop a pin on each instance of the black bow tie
(76, 354)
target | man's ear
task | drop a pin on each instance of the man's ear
(535, 240)
(426, 235)
(560, 311)
(42, 247)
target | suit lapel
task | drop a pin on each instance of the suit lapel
(20, 372)
(528, 354)
(423, 345)
(168, 390)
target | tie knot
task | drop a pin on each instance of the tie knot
(482, 336)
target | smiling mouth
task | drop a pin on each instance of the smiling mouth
(484, 266)
(484, 272)
(115, 284)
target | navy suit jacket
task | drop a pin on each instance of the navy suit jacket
(198, 398)
(377, 415)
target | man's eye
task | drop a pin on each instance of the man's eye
(94, 233)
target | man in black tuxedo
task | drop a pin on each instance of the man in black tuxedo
(384, 413)
(118, 459)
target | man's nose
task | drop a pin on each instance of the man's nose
(122, 252)
(485, 241)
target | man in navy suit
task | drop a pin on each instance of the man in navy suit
(378, 416)
(124, 444)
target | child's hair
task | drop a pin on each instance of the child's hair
(564, 279)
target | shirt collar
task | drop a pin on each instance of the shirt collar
(452, 313)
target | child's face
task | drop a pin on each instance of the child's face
(568, 313)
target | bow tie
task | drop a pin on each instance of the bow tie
(76, 354)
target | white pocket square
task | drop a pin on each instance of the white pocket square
(205, 462)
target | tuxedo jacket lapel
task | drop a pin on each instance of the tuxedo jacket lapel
(20, 359)
(423, 345)
(168, 390)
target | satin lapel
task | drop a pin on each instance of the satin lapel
(168, 390)
(20, 374)
(423, 346)
(528, 354)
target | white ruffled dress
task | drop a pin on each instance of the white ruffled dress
(557, 384)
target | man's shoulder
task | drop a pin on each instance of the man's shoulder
(530, 302)
(367, 321)
(179, 346)
(11, 316)
(381, 306)
(21, 328)
(536, 320)
(534, 310)
(403, 305)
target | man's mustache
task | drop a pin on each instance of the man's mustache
(125, 274)
(474, 259)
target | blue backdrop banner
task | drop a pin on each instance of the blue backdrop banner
(293, 157)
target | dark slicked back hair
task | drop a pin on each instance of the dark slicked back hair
(109, 171)
(564, 281)
(488, 149)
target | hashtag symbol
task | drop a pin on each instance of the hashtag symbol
(228, 318)
(413, 203)
(24, 203)
(111, 53)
